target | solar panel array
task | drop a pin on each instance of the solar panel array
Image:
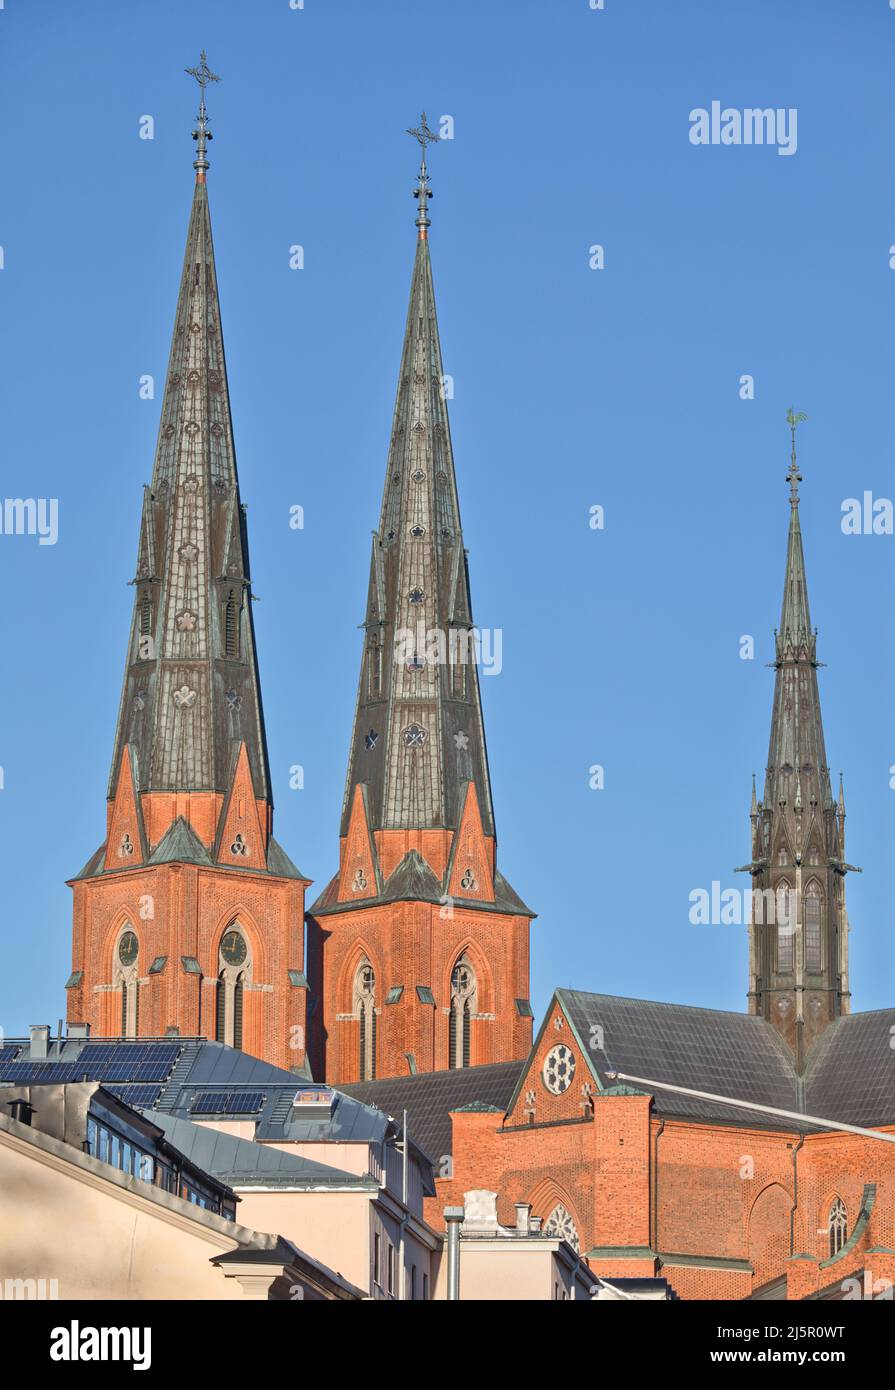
(227, 1102)
(8, 1053)
(143, 1097)
(134, 1062)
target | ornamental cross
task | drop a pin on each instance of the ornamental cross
(203, 73)
(794, 477)
(424, 135)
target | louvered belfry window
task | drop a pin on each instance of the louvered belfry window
(220, 1026)
(237, 1014)
(231, 626)
(813, 949)
(365, 1008)
(145, 615)
(463, 1006)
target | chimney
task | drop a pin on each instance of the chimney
(453, 1217)
(40, 1038)
(78, 1030)
(523, 1218)
(535, 1226)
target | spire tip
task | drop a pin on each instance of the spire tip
(423, 192)
(203, 75)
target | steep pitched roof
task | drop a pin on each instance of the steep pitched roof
(418, 732)
(429, 1098)
(191, 690)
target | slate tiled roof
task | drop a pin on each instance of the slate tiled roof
(429, 1097)
(851, 1073)
(850, 1076)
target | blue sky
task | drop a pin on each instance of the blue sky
(573, 387)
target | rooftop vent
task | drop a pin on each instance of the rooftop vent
(313, 1098)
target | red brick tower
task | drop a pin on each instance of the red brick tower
(189, 917)
(418, 947)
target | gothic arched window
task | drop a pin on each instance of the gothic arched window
(463, 1006)
(374, 666)
(813, 913)
(365, 1010)
(125, 976)
(234, 967)
(838, 1226)
(560, 1223)
(786, 927)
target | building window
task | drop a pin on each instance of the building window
(838, 1226)
(559, 1223)
(413, 1282)
(125, 977)
(391, 1268)
(786, 928)
(374, 667)
(365, 1011)
(231, 625)
(462, 1008)
(377, 1258)
(425, 1288)
(234, 967)
(813, 943)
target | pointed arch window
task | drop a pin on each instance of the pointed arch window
(560, 1223)
(462, 1008)
(813, 913)
(786, 928)
(365, 1011)
(838, 1226)
(234, 973)
(125, 976)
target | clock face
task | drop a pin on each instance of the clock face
(128, 947)
(559, 1069)
(233, 948)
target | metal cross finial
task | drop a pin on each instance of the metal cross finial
(794, 477)
(422, 192)
(424, 135)
(203, 75)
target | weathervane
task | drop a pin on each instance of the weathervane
(794, 477)
(203, 75)
(422, 192)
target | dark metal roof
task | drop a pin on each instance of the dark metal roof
(186, 702)
(242, 1162)
(851, 1072)
(418, 581)
(849, 1078)
(429, 1098)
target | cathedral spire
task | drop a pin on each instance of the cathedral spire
(418, 736)
(187, 918)
(419, 917)
(798, 955)
(191, 692)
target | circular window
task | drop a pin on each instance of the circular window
(233, 948)
(414, 736)
(559, 1069)
(128, 947)
(416, 595)
(417, 532)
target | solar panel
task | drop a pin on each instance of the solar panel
(144, 1097)
(128, 1061)
(227, 1103)
(28, 1073)
(8, 1053)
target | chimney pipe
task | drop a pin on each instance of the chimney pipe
(523, 1218)
(454, 1217)
(40, 1037)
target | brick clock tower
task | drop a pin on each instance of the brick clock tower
(798, 952)
(189, 917)
(418, 947)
